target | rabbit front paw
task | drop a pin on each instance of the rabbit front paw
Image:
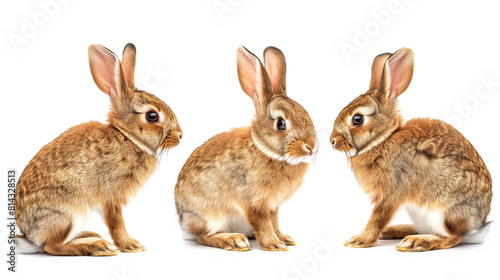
(130, 246)
(285, 238)
(273, 245)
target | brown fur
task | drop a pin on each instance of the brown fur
(230, 177)
(424, 162)
(94, 165)
(398, 232)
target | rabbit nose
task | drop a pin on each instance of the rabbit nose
(333, 138)
(307, 149)
(178, 132)
(310, 145)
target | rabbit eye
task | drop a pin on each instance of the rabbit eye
(357, 120)
(152, 116)
(281, 124)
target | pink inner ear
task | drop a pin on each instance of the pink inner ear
(247, 73)
(400, 72)
(104, 67)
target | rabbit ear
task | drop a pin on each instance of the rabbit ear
(377, 69)
(107, 72)
(397, 75)
(253, 77)
(128, 64)
(275, 63)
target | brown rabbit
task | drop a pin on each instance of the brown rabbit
(424, 165)
(95, 167)
(231, 187)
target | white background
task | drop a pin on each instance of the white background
(186, 55)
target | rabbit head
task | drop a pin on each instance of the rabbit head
(372, 117)
(140, 116)
(282, 128)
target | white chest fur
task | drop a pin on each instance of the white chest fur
(80, 220)
(236, 222)
(426, 220)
